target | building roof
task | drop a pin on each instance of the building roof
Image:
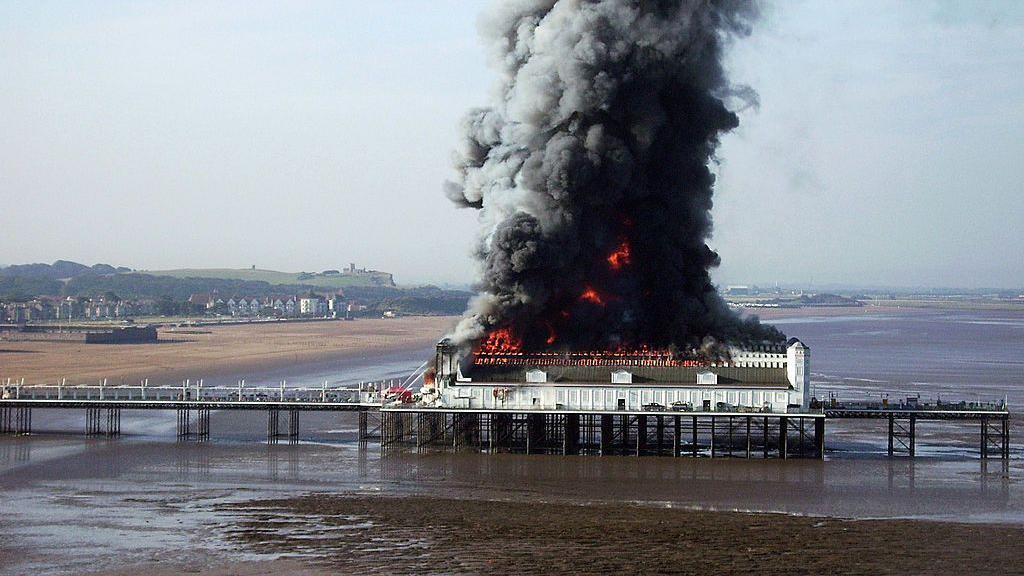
(677, 375)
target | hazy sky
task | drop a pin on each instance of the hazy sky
(888, 147)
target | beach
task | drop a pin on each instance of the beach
(211, 351)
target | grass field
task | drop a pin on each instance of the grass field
(269, 276)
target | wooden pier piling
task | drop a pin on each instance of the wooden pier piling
(570, 433)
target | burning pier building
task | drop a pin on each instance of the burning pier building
(773, 378)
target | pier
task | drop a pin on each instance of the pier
(993, 420)
(649, 433)
(656, 432)
(192, 403)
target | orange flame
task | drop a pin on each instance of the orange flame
(620, 257)
(642, 356)
(501, 341)
(591, 295)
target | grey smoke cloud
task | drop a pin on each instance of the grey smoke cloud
(590, 174)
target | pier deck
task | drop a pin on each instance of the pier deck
(528, 430)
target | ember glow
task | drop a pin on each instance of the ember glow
(591, 295)
(620, 257)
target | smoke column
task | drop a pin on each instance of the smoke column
(590, 172)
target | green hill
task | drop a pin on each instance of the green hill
(332, 280)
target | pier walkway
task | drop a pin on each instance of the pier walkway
(528, 430)
(993, 419)
(192, 401)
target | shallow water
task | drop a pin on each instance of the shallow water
(73, 504)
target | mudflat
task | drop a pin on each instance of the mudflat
(379, 535)
(216, 350)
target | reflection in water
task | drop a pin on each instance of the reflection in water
(14, 452)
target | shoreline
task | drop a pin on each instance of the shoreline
(329, 533)
(220, 351)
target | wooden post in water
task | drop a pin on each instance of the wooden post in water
(748, 437)
(693, 437)
(890, 434)
(819, 437)
(783, 437)
(676, 435)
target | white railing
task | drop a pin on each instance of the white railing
(197, 390)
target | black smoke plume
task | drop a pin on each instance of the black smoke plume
(590, 172)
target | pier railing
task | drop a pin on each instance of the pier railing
(196, 391)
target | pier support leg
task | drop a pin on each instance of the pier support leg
(984, 438)
(362, 426)
(273, 423)
(819, 438)
(203, 424)
(676, 435)
(1006, 438)
(712, 437)
(783, 437)
(911, 445)
(92, 421)
(624, 432)
(535, 438)
(891, 423)
(293, 426)
(641, 435)
(184, 423)
(660, 423)
(503, 427)
(5, 420)
(693, 438)
(201, 432)
(571, 434)
(607, 434)
(730, 445)
(748, 437)
(995, 438)
(764, 439)
(113, 422)
(22, 420)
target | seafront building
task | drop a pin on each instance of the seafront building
(767, 378)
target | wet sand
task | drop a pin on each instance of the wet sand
(768, 314)
(218, 350)
(374, 535)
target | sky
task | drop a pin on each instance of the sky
(887, 148)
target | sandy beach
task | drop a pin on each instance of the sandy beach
(216, 350)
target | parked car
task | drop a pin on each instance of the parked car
(682, 406)
(653, 407)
